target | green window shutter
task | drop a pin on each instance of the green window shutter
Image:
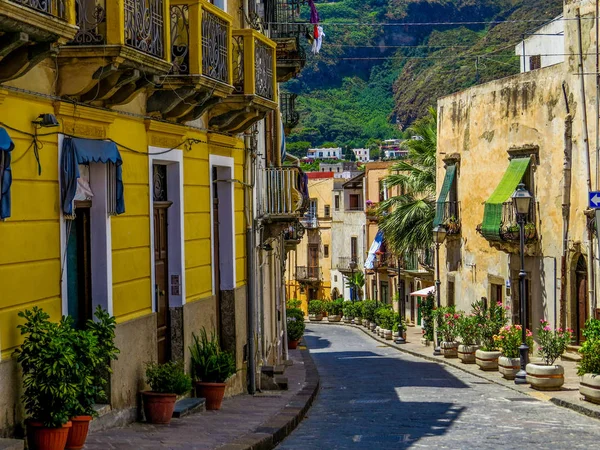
(492, 213)
(446, 185)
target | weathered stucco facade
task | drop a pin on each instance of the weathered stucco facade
(537, 114)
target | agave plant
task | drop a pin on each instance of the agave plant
(210, 364)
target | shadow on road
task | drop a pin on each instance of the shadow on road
(374, 399)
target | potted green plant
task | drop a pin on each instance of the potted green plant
(348, 311)
(588, 367)
(316, 309)
(368, 313)
(467, 332)
(295, 327)
(552, 344)
(398, 326)
(490, 321)
(448, 320)
(508, 341)
(357, 310)
(50, 380)
(166, 381)
(95, 349)
(211, 368)
(334, 310)
(427, 306)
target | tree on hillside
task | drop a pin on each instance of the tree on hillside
(407, 219)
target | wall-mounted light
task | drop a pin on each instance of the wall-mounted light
(46, 121)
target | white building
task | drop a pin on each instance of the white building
(362, 154)
(325, 153)
(545, 47)
(347, 232)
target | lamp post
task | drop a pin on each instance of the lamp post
(439, 236)
(401, 305)
(352, 265)
(521, 202)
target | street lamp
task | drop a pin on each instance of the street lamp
(522, 201)
(352, 265)
(439, 236)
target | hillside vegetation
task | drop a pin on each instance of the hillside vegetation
(371, 79)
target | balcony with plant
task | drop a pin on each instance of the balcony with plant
(120, 50)
(254, 82)
(31, 31)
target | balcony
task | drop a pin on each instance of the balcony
(509, 230)
(344, 264)
(286, 29)
(282, 198)
(451, 217)
(289, 115)
(255, 85)
(293, 235)
(410, 263)
(201, 54)
(309, 274)
(371, 211)
(118, 52)
(310, 220)
(426, 258)
(386, 262)
(31, 31)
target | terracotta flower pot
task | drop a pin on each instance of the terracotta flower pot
(590, 387)
(40, 437)
(449, 349)
(78, 432)
(545, 378)
(487, 360)
(293, 344)
(213, 393)
(334, 318)
(509, 367)
(158, 407)
(315, 317)
(466, 353)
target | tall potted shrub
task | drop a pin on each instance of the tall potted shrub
(357, 310)
(490, 321)
(211, 367)
(166, 381)
(316, 309)
(447, 319)
(508, 341)
(589, 366)
(368, 313)
(95, 349)
(427, 306)
(334, 310)
(467, 332)
(348, 311)
(50, 383)
(295, 327)
(552, 344)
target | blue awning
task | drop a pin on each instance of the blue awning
(375, 246)
(77, 151)
(6, 146)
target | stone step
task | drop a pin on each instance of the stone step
(279, 369)
(268, 370)
(12, 444)
(187, 406)
(282, 382)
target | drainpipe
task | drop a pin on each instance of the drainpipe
(284, 299)
(250, 267)
(586, 141)
(566, 206)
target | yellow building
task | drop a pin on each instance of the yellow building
(139, 198)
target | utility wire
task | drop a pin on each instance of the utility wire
(431, 24)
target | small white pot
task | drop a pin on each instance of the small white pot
(315, 317)
(487, 360)
(509, 367)
(589, 387)
(347, 319)
(334, 318)
(387, 334)
(545, 378)
(372, 326)
(449, 349)
(466, 353)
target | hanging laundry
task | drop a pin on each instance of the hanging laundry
(318, 41)
(314, 15)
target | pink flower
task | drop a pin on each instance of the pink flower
(560, 330)
(547, 328)
(499, 303)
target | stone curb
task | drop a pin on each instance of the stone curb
(581, 409)
(280, 425)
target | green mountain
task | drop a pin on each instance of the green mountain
(374, 77)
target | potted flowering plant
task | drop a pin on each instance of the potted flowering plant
(509, 340)
(467, 331)
(552, 344)
(589, 366)
(489, 322)
(448, 320)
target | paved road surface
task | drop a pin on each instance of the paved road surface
(374, 397)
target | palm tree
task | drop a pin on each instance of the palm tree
(407, 219)
(356, 282)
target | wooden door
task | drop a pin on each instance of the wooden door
(581, 312)
(216, 262)
(313, 261)
(161, 273)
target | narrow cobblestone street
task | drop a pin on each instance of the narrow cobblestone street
(373, 396)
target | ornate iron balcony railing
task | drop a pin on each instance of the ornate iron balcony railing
(263, 63)
(56, 8)
(311, 273)
(509, 228)
(343, 264)
(284, 18)
(287, 104)
(282, 196)
(215, 46)
(451, 217)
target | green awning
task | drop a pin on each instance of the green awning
(492, 213)
(446, 185)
